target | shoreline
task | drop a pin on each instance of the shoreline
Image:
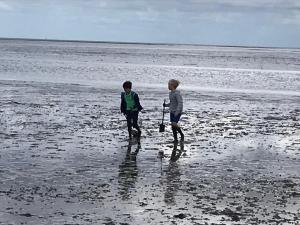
(114, 85)
(145, 43)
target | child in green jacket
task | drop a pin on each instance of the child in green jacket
(130, 107)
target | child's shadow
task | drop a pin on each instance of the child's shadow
(128, 172)
(176, 153)
(173, 175)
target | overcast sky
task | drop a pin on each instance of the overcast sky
(221, 22)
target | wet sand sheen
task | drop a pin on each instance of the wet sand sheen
(64, 154)
(65, 158)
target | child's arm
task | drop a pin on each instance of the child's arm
(180, 104)
(122, 104)
(137, 102)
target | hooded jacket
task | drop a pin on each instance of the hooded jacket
(136, 101)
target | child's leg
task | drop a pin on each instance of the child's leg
(181, 134)
(175, 120)
(135, 117)
(129, 123)
(174, 130)
(173, 125)
(177, 127)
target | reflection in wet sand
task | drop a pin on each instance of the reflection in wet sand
(176, 153)
(60, 158)
(173, 175)
(128, 172)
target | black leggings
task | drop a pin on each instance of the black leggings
(132, 120)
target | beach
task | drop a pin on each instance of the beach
(65, 156)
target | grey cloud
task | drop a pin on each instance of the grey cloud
(213, 10)
(139, 19)
(5, 6)
(246, 4)
(164, 5)
(292, 19)
(197, 5)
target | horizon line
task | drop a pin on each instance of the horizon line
(144, 43)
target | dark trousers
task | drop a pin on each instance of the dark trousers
(132, 121)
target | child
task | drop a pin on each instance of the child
(176, 107)
(130, 107)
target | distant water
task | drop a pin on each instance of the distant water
(205, 68)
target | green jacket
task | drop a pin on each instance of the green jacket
(136, 100)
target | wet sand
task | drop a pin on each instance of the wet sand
(65, 158)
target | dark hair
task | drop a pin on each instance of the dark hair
(127, 84)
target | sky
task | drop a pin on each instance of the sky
(274, 23)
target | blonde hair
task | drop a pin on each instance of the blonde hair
(174, 82)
